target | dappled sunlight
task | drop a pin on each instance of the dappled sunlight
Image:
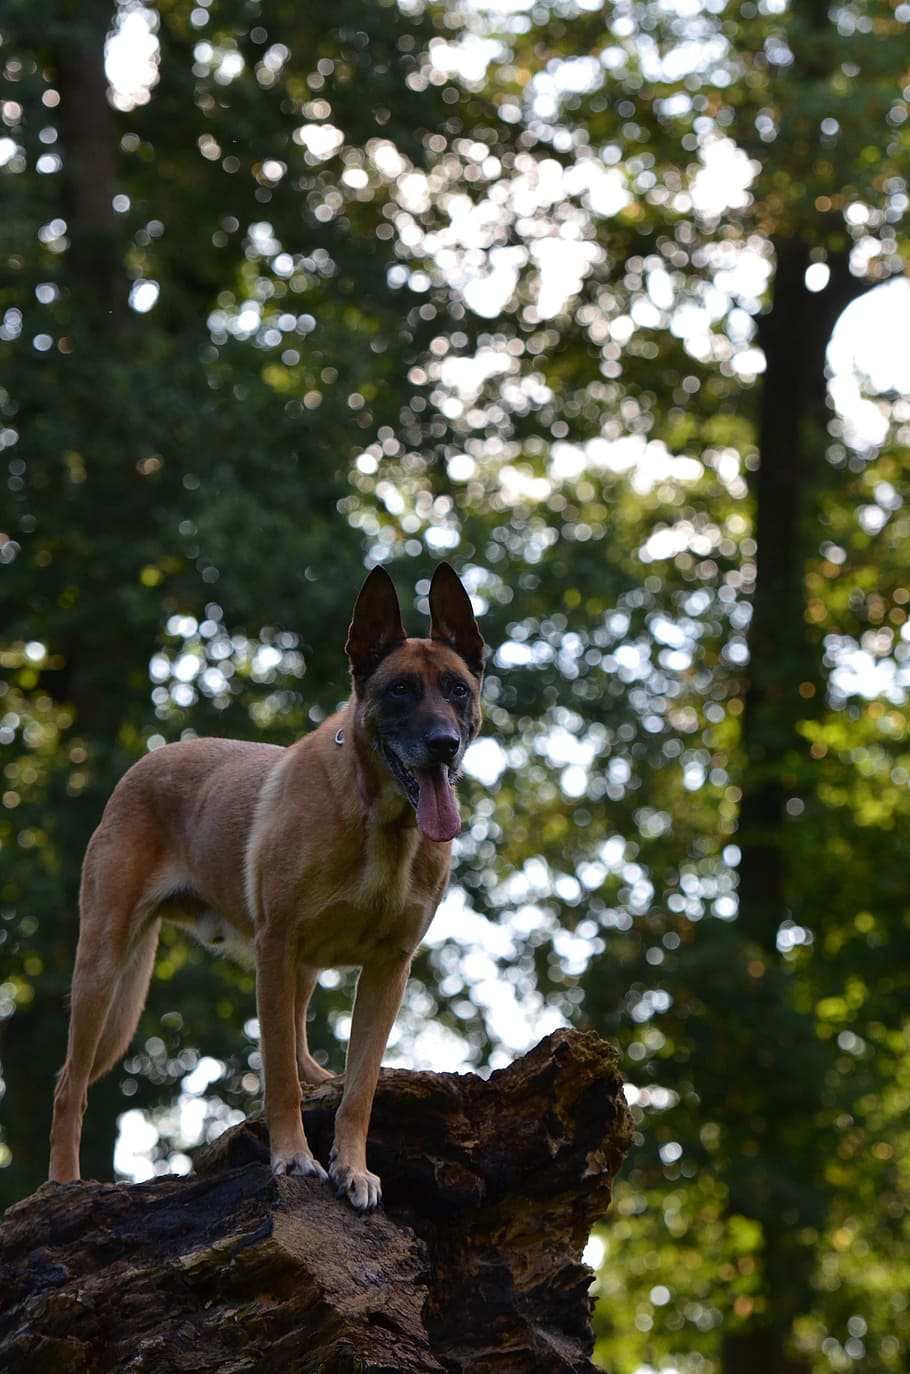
(148, 1146)
(608, 306)
(132, 56)
(200, 659)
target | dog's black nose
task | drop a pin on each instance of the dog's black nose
(442, 745)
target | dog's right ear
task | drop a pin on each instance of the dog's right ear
(377, 627)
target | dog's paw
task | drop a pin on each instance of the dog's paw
(361, 1188)
(298, 1165)
(309, 1071)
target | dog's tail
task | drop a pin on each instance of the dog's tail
(126, 1004)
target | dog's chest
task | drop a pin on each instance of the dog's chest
(385, 905)
(389, 874)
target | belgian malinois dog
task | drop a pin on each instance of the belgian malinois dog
(332, 853)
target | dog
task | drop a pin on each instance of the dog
(332, 853)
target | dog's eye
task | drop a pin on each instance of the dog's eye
(399, 689)
(459, 689)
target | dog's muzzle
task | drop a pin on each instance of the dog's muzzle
(431, 791)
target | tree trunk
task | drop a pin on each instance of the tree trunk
(473, 1263)
(783, 654)
(89, 142)
(786, 1192)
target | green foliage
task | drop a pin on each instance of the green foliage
(543, 292)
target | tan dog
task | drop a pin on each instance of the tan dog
(332, 853)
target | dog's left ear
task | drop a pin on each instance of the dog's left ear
(376, 628)
(452, 618)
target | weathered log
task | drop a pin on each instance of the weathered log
(473, 1263)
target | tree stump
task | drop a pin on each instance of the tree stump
(473, 1263)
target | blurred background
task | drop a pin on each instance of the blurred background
(608, 305)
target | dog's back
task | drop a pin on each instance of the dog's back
(181, 819)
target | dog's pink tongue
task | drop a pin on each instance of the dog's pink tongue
(437, 809)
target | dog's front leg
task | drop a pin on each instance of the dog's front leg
(380, 989)
(276, 979)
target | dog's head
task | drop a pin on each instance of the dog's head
(419, 699)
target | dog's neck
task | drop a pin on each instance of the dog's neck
(369, 794)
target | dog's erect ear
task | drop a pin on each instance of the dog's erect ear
(452, 618)
(376, 628)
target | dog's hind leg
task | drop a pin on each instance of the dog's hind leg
(113, 967)
(105, 1007)
(309, 1070)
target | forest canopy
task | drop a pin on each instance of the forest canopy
(574, 296)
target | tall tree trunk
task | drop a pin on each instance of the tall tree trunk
(784, 678)
(89, 145)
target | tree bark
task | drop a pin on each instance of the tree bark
(786, 1188)
(472, 1264)
(786, 489)
(89, 141)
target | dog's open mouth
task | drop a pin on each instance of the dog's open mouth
(431, 792)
